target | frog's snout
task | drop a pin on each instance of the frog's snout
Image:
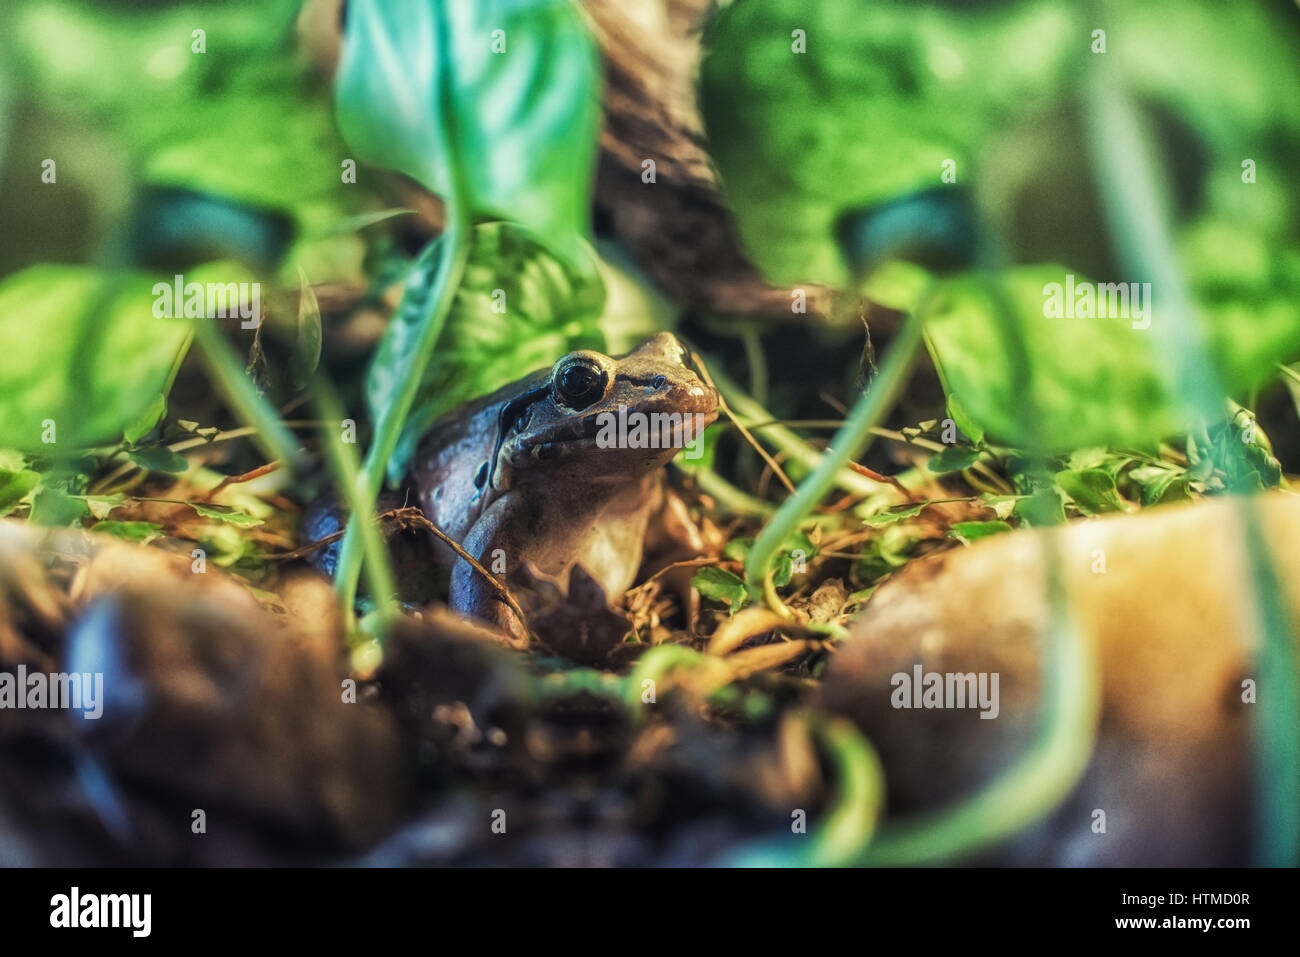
(687, 394)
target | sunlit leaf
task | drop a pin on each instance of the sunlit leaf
(53, 506)
(1090, 381)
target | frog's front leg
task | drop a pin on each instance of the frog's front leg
(488, 541)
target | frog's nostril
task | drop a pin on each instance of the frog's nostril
(658, 382)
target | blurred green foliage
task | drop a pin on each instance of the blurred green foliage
(92, 356)
(889, 93)
(243, 120)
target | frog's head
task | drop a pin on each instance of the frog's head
(596, 417)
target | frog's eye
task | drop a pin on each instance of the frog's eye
(579, 383)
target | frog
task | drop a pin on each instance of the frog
(549, 484)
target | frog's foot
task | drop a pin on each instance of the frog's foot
(471, 595)
(581, 626)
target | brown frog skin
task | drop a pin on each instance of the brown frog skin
(526, 480)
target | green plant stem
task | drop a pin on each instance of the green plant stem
(859, 801)
(343, 461)
(860, 795)
(729, 497)
(849, 442)
(453, 253)
(756, 360)
(270, 434)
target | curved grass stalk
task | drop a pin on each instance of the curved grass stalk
(859, 802)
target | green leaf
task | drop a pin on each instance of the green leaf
(1003, 505)
(887, 93)
(131, 531)
(1159, 484)
(151, 416)
(884, 94)
(505, 135)
(15, 484)
(798, 541)
(784, 565)
(886, 553)
(953, 459)
(159, 458)
(1093, 490)
(721, 585)
(893, 515)
(782, 570)
(86, 356)
(54, 507)
(968, 532)
(517, 309)
(1239, 457)
(1043, 506)
(1092, 459)
(738, 549)
(139, 90)
(100, 505)
(226, 515)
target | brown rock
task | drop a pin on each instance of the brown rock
(1169, 619)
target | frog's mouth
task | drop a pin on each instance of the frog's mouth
(559, 439)
(660, 432)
